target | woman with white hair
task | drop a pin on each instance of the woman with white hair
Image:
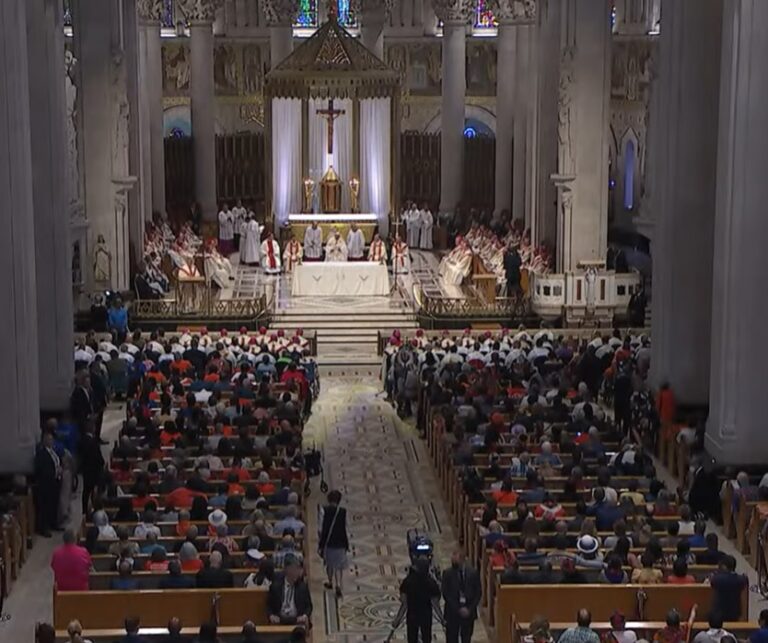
(101, 521)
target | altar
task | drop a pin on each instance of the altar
(367, 222)
(340, 278)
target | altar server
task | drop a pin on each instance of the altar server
(313, 242)
(412, 220)
(226, 230)
(355, 243)
(291, 254)
(252, 242)
(239, 214)
(335, 248)
(270, 251)
(401, 262)
(426, 221)
(377, 251)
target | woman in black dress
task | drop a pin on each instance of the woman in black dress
(334, 543)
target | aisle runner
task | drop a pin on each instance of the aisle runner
(379, 465)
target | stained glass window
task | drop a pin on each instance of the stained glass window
(484, 18)
(345, 13)
(169, 20)
(307, 16)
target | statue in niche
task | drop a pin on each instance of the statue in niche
(225, 68)
(121, 112)
(565, 112)
(176, 68)
(434, 65)
(590, 288)
(102, 262)
(70, 90)
(632, 78)
(252, 69)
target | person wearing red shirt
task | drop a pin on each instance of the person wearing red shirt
(71, 565)
(506, 495)
(182, 497)
(680, 575)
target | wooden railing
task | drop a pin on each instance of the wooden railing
(165, 309)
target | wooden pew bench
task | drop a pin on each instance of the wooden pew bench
(101, 580)
(644, 629)
(228, 634)
(560, 603)
(108, 609)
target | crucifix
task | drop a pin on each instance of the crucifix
(330, 115)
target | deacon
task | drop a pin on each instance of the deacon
(401, 262)
(335, 248)
(377, 251)
(412, 220)
(355, 243)
(313, 242)
(270, 250)
(226, 230)
(427, 221)
(238, 213)
(291, 254)
(252, 242)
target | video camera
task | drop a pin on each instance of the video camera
(420, 547)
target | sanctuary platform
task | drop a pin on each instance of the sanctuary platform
(346, 279)
(367, 222)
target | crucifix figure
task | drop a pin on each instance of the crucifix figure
(330, 115)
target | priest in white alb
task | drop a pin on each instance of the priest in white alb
(335, 248)
(313, 242)
(355, 243)
(412, 220)
(377, 251)
(251, 243)
(426, 221)
(456, 265)
(270, 252)
(291, 254)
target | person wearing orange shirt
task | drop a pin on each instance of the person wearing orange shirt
(680, 575)
(180, 365)
(506, 495)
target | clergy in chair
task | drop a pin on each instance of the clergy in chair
(270, 256)
(355, 244)
(335, 248)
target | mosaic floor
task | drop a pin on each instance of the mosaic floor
(379, 464)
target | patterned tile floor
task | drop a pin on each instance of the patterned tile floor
(379, 464)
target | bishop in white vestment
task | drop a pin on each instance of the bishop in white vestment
(313, 242)
(270, 251)
(427, 221)
(355, 243)
(335, 248)
(252, 243)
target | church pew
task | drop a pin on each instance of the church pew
(491, 577)
(644, 629)
(560, 603)
(100, 580)
(108, 609)
(168, 529)
(108, 562)
(201, 542)
(743, 516)
(228, 634)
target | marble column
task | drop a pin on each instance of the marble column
(201, 14)
(506, 84)
(18, 339)
(736, 426)
(151, 102)
(455, 16)
(684, 176)
(280, 16)
(45, 40)
(98, 43)
(373, 16)
(583, 119)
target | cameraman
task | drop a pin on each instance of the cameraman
(417, 591)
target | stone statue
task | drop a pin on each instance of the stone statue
(252, 69)
(102, 262)
(70, 88)
(176, 68)
(120, 111)
(565, 112)
(590, 292)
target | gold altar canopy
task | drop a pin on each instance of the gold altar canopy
(333, 64)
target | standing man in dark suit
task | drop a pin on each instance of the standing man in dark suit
(196, 357)
(91, 464)
(48, 474)
(99, 396)
(461, 591)
(80, 404)
(512, 265)
(289, 601)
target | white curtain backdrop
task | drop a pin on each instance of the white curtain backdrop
(342, 146)
(375, 159)
(286, 157)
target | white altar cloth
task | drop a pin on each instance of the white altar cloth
(340, 278)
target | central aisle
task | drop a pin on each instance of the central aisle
(380, 466)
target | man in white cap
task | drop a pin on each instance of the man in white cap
(335, 248)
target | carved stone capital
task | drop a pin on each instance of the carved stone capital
(374, 9)
(453, 11)
(149, 10)
(514, 11)
(279, 13)
(200, 10)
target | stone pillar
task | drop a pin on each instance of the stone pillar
(45, 40)
(583, 118)
(455, 16)
(373, 16)
(736, 425)
(106, 140)
(524, 94)
(684, 177)
(506, 51)
(280, 15)
(201, 14)
(151, 102)
(18, 340)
